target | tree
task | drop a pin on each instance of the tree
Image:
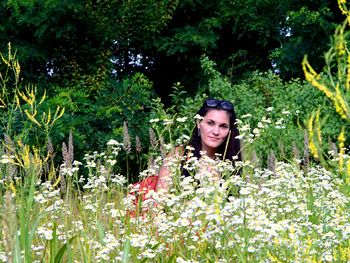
(57, 38)
(305, 30)
(241, 36)
(165, 38)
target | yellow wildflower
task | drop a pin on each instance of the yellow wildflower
(317, 124)
(347, 84)
(342, 103)
(348, 172)
(272, 257)
(312, 145)
(339, 109)
(341, 140)
(32, 117)
(311, 76)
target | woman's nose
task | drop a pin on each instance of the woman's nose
(216, 130)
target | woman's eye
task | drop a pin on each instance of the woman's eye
(210, 123)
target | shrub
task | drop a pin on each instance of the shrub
(96, 112)
(274, 109)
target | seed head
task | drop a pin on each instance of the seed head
(153, 139)
(138, 144)
(272, 162)
(126, 138)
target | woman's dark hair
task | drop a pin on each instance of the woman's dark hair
(233, 145)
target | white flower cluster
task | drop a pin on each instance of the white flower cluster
(290, 215)
(250, 134)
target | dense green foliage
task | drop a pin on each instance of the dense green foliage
(263, 101)
(56, 38)
(82, 207)
(97, 114)
(106, 62)
(165, 38)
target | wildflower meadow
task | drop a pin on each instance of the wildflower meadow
(286, 203)
(285, 215)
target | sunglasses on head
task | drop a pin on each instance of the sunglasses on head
(221, 104)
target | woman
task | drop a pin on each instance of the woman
(214, 136)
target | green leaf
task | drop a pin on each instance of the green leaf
(62, 250)
(126, 251)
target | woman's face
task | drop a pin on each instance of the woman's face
(214, 128)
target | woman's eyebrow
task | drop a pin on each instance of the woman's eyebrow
(224, 123)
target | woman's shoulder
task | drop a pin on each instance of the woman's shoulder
(177, 151)
(182, 151)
